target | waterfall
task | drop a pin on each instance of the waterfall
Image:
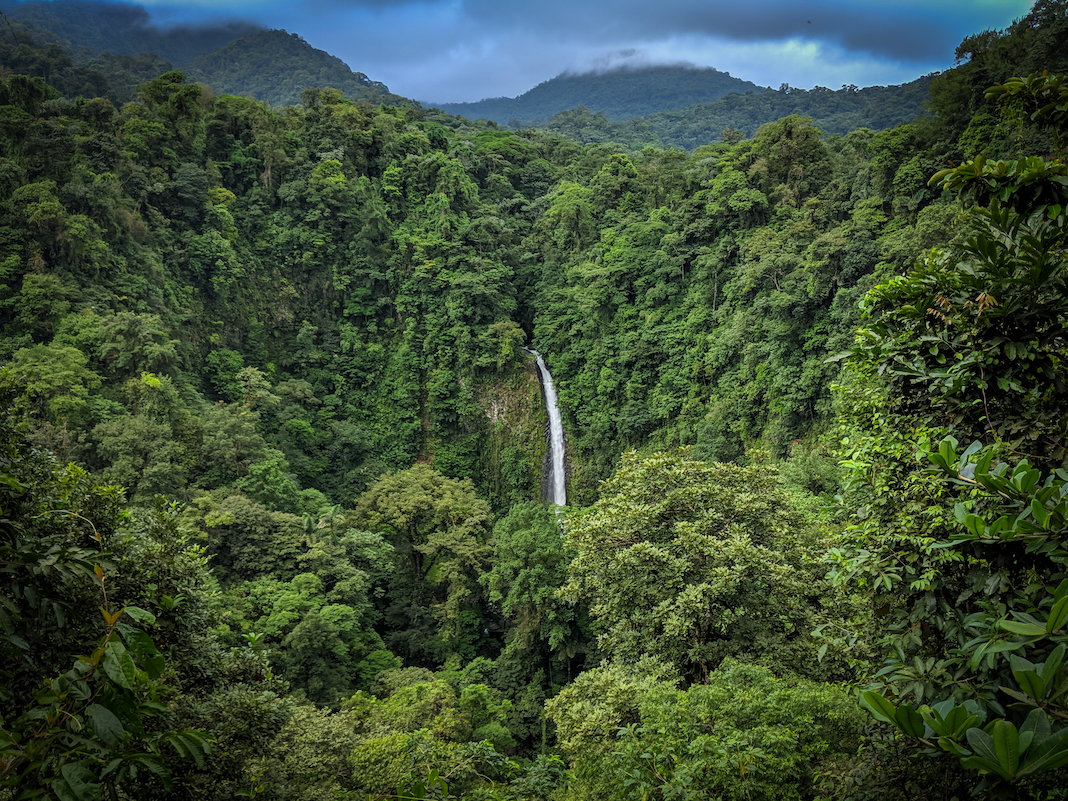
(557, 491)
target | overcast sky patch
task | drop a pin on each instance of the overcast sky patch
(464, 50)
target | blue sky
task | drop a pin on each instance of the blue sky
(459, 50)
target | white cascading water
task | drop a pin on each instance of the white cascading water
(557, 482)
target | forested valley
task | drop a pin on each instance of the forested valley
(271, 448)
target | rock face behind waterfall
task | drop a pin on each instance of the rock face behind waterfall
(503, 445)
(513, 444)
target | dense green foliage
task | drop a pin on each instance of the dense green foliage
(26, 50)
(695, 300)
(305, 556)
(104, 650)
(967, 557)
(694, 563)
(619, 94)
(686, 107)
(740, 734)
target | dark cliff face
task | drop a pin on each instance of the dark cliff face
(514, 443)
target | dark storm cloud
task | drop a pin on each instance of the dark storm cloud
(899, 30)
(893, 32)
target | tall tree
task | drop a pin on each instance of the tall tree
(692, 562)
(440, 531)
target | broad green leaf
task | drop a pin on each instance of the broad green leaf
(1039, 513)
(77, 782)
(1022, 697)
(1025, 741)
(142, 647)
(937, 459)
(952, 720)
(935, 721)
(111, 767)
(972, 449)
(960, 511)
(1053, 663)
(1051, 754)
(947, 449)
(909, 721)
(1002, 527)
(982, 467)
(965, 725)
(63, 791)
(1058, 616)
(106, 725)
(1007, 745)
(953, 747)
(1026, 676)
(943, 709)
(190, 744)
(975, 525)
(1026, 629)
(141, 615)
(119, 665)
(983, 766)
(879, 707)
(1026, 480)
(983, 746)
(1061, 591)
(989, 651)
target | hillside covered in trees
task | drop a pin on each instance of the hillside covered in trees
(276, 67)
(271, 449)
(736, 115)
(686, 107)
(238, 58)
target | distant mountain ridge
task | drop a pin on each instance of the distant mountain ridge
(276, 66)
(620, 94)
(836, 111)
(238, 58)
(124, 28)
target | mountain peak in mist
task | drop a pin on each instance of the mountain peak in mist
(622, 89)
